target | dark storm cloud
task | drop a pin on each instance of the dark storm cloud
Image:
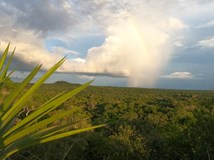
(99, 74)
(19, 65)
(42, 16)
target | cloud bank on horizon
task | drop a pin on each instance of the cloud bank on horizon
(139, 37)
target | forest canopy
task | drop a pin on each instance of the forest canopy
(142, 124)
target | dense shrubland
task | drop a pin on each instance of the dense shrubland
(142, 124)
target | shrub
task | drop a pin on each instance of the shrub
(34, 128)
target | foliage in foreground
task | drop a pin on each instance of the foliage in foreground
(35, 128)
(142, 124)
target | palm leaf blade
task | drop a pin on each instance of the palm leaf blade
(4, 56)
(36, 126)
(15, 136)
(47, 108)
(16, 108)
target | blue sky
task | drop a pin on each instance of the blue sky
(138, 43)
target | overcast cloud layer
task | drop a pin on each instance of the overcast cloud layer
(139, 39)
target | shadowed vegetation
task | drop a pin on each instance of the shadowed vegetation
(142, 124)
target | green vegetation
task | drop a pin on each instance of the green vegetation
(142, 124)
(18, 132)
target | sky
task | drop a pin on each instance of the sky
(138, 43)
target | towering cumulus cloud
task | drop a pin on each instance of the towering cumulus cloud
(138, 35)
(138, 41)
(133, 49)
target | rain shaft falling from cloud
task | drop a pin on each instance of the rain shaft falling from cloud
(129, 51)
(137, 44)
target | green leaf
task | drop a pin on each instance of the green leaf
(55, 130)
(12, 97)
(31, 131)
(48, 107)
(4, 56)
(28, 141)
(8, 101)
(27, 119)
(37, 126)
(66, 134)
(18, 105)
(4, 72)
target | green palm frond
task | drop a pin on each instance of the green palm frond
(31, 130)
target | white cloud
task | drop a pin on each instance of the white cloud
(63, 51)
(178, 44)
(86, 77)
(198, 13)
(138, 35)
(176, 23)
(80, 60)
(30, 50)
(207, 43)
(207, 24)
(137, 44)
(179, 75)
